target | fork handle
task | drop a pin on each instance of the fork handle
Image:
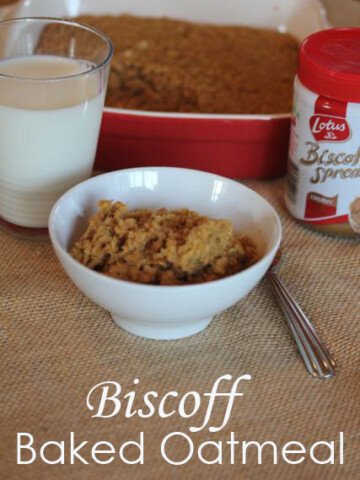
(316, 356)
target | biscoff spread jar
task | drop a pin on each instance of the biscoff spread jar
(323, 181)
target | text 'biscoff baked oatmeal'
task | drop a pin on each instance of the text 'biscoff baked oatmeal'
(162, 247)
(167, 65)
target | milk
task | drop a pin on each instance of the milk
(48, 133)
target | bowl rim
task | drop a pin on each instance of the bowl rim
(111, 281)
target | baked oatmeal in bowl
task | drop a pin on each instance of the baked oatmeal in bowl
(164, 249)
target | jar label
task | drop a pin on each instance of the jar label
(329, 123)
(323, 182)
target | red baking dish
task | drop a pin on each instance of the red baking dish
(234, 147)
(237, 146)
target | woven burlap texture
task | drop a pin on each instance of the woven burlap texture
(56, 344)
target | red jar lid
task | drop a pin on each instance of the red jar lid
(329, 63)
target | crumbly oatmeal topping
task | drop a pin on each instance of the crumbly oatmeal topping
(162, 247)
(167, 65)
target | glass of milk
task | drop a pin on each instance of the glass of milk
(53, 78)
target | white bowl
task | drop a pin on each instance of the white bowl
(165, 312)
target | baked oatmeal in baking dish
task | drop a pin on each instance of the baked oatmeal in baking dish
(167, 65)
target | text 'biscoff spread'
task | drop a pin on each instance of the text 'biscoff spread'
(323, 183)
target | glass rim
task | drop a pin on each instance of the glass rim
(70, 22)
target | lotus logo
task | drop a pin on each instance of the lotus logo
(329, 129)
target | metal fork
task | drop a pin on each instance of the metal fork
(317, 358)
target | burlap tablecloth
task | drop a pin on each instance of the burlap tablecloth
(55, 345)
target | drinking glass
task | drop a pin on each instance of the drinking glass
(53, 78)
